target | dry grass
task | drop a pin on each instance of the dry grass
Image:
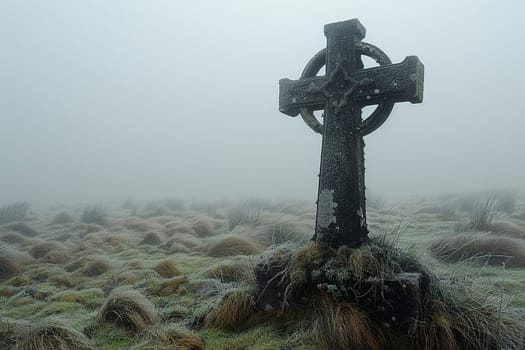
(231, 245)
(129, 277)
(203, 227)
(128, 309)
(7, 292)
(170, 337)
(235, 307)
(139, 225)
(242, 214)
(75, 265)
(173, 227)
(40, 250)
(342, 326)
(122, 240)
(56, 256)
(456, 317)
(152, 238)
(282, 230)
(13, 212)
(12, 262)
(453, 318)
(97, 266)
(494, 250)
(13, 238)
(65, 281)
(187, 240)
(169, 287)
(175, 247)
(167, 268)
(96, 240)
(62, 218)
(240, 271)
(507, 229)
(84, 296)
(10, 331)
(481, 216)
(23, 229)
(53, 334)
(18, 281)
(8, 266)
(94, 215)
(84, 229)
(134, 265)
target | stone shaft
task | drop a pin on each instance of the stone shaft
(341, 215)
(342, 92)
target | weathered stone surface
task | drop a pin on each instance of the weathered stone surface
(342, 93)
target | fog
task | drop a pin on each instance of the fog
(109, 100)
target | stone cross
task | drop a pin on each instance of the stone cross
(342, 92)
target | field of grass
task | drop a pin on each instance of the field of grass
(179, 275)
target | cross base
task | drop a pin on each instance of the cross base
(286, 278)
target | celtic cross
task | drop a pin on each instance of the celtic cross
(345, 89)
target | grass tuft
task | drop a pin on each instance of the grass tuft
(8, 267)
(128, 309)
(63, 218)
(235, 307)
(183, 239)
(242, 214)
(53, 334)
(494, 250)
(12, 262)
(240, 271)
(22, 228)
(94, 215)
(481, 216)
(169, 287)
(97, 266)
(13, 212)
(167, 268)
(13, 238)
(231, 245)
(343, 326)
(283, 230)
(41, 250)
(457, 317)
(170, 337)
(203, 227)
(152, 238)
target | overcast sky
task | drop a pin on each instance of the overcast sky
(105, 100)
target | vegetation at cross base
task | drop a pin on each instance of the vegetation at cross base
(174, 274)
(452, 317)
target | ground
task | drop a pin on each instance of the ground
(187, 262)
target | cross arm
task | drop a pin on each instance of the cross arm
(401, 82)
(301, 93)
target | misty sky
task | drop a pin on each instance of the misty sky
(119, 99)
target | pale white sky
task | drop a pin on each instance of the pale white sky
(114, 99)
